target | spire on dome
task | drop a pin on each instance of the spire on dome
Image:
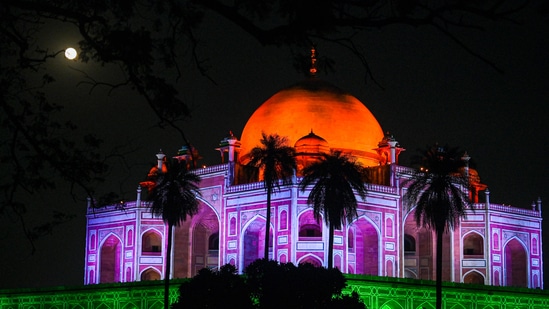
(313, 70)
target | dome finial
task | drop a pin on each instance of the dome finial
(312, 70)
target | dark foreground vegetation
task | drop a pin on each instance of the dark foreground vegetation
(268, 284)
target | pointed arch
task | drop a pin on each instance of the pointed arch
(535, 245)
(338, 261)
(422, 261)
(515, 259)
(473, 277)
(418, 251)
(283, 219)
(129, 237)
(391, 304)
(151, 242)
(389, 267)
(367, 251)
(197, 242)
(426, 305)
(232, 226)
(156, 304)
(410, 274)
(311, 259)
(350, 240)
(473, 244)
(150, 274)
(308, 227)
(110, 259)
(253, 241)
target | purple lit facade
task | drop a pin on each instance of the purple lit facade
(496, 244)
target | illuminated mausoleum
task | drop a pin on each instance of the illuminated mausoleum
(495, 244)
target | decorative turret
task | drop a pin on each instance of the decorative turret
(160, 166)
(229, 147)
(475, 186)
(160, 159)
(189, 154)
(389, 150)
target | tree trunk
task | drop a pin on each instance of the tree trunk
(440, 233)
(168, 268)
(267, 225)
(331, 247)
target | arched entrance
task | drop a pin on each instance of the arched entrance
(516, 266)
(110, 260)
(311, 259)
(473, 277)
(420, 251)
(253, 245)
(150, 274)
(196, 243)
(366, 247)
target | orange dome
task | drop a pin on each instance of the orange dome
(340, 118)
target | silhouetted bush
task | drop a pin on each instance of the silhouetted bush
(215, 289)
(268, 285)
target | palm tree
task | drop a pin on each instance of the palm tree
(277, 161)
(174, 197)
(336, 178)
(438, 191)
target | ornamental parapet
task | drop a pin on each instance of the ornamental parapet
(211, 169)
(245, 187)
(507, 209)
(381, 189)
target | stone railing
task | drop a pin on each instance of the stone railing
(508, 209)
(245, 187)
(212, 169)
(382, 189)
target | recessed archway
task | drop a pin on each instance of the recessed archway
(311, 259)
(253, 245)
(151, 243)
(473, 277)
(473, 245)
(150, 274)
(196, 243)
(516, 266)
(366, 247)
(110, 260)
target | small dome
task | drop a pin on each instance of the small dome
(311, 143)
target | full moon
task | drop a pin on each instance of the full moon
(70, 53)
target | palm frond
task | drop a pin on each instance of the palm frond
(175, 194)
(335, 179)
(275, 159)
(437, 190)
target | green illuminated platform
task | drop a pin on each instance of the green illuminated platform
(377, 293)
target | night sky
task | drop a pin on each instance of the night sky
(428, 90)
